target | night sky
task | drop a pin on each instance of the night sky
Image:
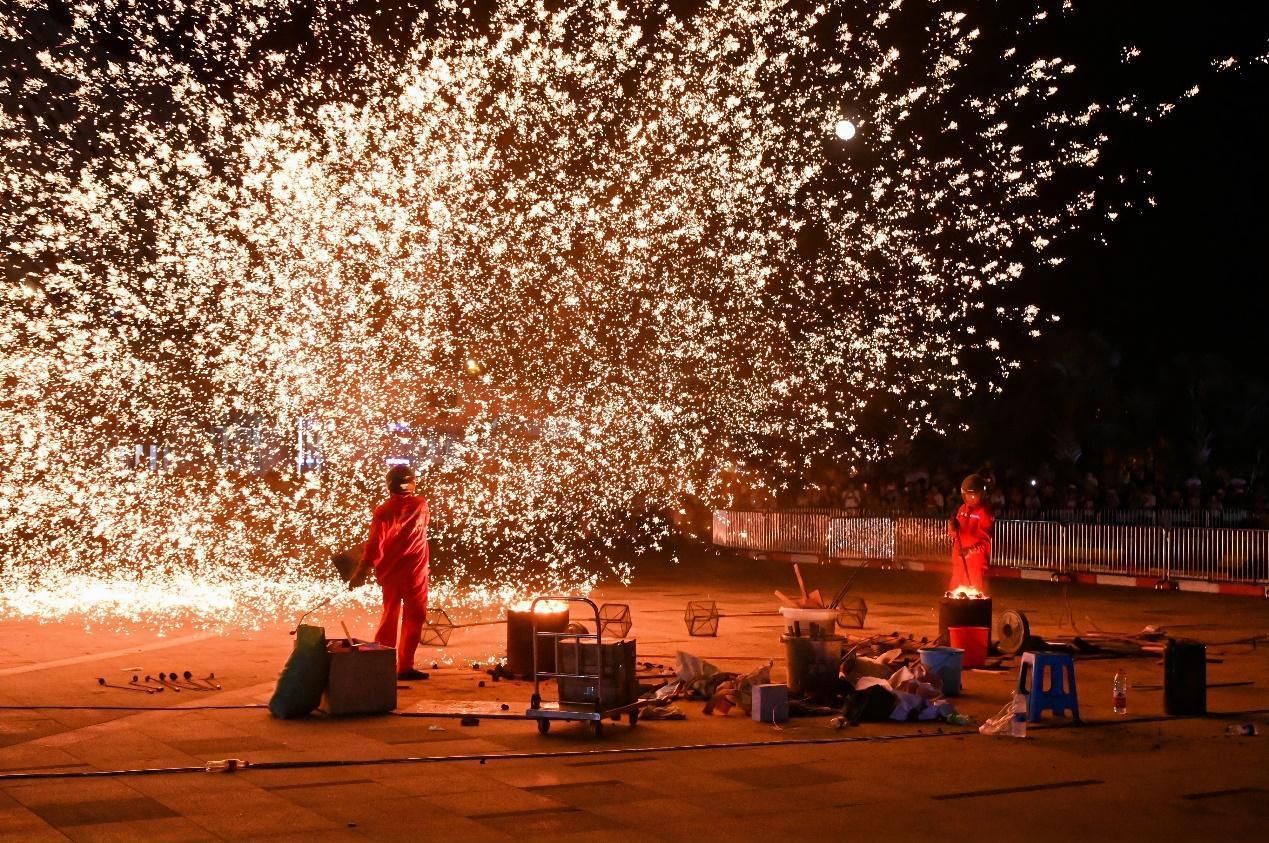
(1189, 274)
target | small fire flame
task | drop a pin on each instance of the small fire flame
(546, 607)
(966, 592)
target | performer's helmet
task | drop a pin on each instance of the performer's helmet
(398, 476)
(973, 483)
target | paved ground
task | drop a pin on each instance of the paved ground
(1117, 777)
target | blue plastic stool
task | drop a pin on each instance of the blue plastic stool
(1058, 699)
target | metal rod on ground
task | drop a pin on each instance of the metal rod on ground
(103, 683)
(246, 766)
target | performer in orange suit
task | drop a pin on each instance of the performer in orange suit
(398, 553)
(971, 532)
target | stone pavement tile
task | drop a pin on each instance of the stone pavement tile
(271, 779)
(235, 797)
(224, 746)
(343, 835)
(120, 749)
(167, 829)
(544, 822)
(126, 809)
(450, 743)
(651, 814)
(32, 758)
(714, 760)
(718, 825)
(503, 799)
(438, 779)
(394, 730)
(236, 821)
(342, 797)
(780, 776)
(205, 794)
(35, 794)
(19, 730)
(354, 804)
(411, 819)
(656, 773)
(679, 782)
(614, 834)
(17, 822)
(586, 794)
(180, 726)
(534, 774)
(759, 802)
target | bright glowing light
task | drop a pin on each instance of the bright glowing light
(217, 234)
(546, 607)
(966, 592)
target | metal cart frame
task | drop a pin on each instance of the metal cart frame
(545, 712)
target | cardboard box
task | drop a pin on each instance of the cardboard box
(770, 703)
(362, 680)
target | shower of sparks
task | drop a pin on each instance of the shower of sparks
(577, 261)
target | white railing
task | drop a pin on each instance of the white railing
(861, 538)
(1215, 554)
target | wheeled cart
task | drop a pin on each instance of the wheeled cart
(608, 693)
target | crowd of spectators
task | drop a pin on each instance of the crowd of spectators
(1117, 493)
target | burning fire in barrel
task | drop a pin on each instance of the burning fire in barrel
(552, 616)
(963, 607)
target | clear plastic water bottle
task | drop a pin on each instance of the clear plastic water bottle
(1018, 725)
(1119, 696)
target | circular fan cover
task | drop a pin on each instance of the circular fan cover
(1011, 631)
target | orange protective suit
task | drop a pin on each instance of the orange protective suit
(971, 531)
(397, 550)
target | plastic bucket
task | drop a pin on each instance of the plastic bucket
(946, 662)
(813, 665)
(814, 622)
(973, 640)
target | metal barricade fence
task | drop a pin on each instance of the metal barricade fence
(1116, 549)
(1122, 515)
(744, 530)
(1223, 555)
(922, 539)
(861, 538)
(803, 532)
(1216, 554)
(1029, 544)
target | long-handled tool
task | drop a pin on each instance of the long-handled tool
(195, 683)
(841, 594)
(188, 683)
(321, 605)
(138, 683)
(166, 683)
(103, 683)
(161, 685)
(960, 552)
(189, 686)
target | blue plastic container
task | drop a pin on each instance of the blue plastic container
(946, 662)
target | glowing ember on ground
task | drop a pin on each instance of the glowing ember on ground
(560, 251)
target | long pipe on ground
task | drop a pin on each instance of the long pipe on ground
(482, 757)
(574, 753)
